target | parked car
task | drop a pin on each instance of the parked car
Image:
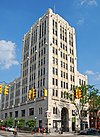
(7, 128)
(89, 131)
(83, 132)
(2, 127)
(11, 129)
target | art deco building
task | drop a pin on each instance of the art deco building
(48, 61)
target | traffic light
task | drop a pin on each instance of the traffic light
(6, 89)
(77, 93)
(0, 88)
(29, 94)
(45, 92)
(80, 93)
(33, 93)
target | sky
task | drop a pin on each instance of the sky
(17, 16)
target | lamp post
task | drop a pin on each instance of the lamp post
(35, 121)
(15, 121)
(76, 113)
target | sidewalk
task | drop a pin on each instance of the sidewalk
(64, 133)
(20, 134)
(54, 134)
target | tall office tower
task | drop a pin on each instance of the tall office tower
(49, 62)
(49, 73)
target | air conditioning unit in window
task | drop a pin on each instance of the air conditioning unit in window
(36, 51)
(46, 43)
(28, 57)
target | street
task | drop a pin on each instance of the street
(10, 134)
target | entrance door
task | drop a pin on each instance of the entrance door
(73, 126)
(40, 123)
(64, 119)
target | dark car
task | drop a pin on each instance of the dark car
(89, 131)
(83, 132)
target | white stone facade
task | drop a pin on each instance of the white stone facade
(48, 61)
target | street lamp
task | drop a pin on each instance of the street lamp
(35, 121)
(15, 122)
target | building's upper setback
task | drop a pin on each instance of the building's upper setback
(49, 56)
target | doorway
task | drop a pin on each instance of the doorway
(65, 119)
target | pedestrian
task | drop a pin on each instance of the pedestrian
(15, 133)
(43, 129)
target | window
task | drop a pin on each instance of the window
(40, 110)
(61, 83)
(61, 74)
(64, 94)
(53, 50)
(56, 52)
(43, 81)
(31, 111)
(16, 113)
(80, 81)
(61, 94)
(54, 110)
(61, 54)
(56, 82)
(53, 82)
(23, 113)
(56, 93)
(53, 92)
(53, 70)
(66, 85)
(10, 113)
(5, 115)
(54, 27)
(56, 61)
(53, 60)
(56, 71)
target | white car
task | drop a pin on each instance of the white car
(11, 129)
(7, 128)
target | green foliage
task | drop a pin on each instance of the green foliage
(10, 122)
(20, 123)
(30, 123)
(1, 123)
(84, 99)
(7, 122)
(94, 99)
(91, 96)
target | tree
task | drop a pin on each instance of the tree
(89, 98)
(94, 104)
(10, 122)
(30, 123)
(20, 123)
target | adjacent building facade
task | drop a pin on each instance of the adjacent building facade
(49, 61)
